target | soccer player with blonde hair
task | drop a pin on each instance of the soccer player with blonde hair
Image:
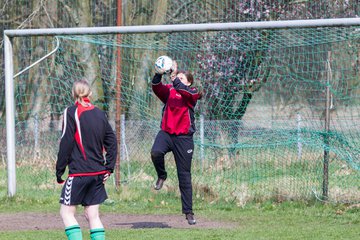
(88, 147)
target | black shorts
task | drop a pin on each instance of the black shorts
(84, 190)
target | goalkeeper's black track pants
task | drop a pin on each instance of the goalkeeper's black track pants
(182, 147)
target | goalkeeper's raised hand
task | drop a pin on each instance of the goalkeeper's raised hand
(174, 70)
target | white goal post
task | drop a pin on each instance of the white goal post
(9, 68)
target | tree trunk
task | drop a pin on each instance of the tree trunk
(138, 13)
(35, 96)
(86, 52)
(41, 74)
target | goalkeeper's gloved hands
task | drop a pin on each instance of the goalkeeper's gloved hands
(174, 67)
(173, 71)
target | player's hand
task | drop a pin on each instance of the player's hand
(174, 67)
(106, 177)
(59, 180)
(173, 70)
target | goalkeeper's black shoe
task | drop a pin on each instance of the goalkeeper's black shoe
(190, 218)
(159, 184)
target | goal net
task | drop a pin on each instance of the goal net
(280, 116)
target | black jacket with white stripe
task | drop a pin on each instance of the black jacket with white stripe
(88, 144)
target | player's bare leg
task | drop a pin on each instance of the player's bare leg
(96, 227)
(67, 214)
(93, 217)
(72, 228)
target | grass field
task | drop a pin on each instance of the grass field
(267, 220)
(271, 216)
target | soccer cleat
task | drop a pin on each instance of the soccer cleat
(190, 218)
(159, 184)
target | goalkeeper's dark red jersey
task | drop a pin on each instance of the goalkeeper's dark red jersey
(88, 143)
(178, 112)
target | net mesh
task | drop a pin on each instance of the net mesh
(261, 124)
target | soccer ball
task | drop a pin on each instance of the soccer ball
(163, 64)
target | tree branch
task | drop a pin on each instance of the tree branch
(70, 11)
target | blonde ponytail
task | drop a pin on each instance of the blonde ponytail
(81, 89)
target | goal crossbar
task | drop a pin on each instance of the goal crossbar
(336, 22)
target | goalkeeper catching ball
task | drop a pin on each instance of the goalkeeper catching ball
(176, 133)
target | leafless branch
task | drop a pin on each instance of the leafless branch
(70, 12)
(47, 14)
(3, 8)
(4, 21)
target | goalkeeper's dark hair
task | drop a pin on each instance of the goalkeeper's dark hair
(190, 79)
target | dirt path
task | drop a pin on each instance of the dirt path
(42, 221)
